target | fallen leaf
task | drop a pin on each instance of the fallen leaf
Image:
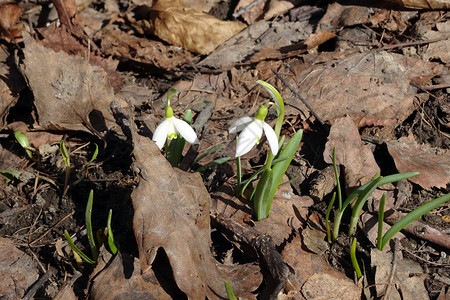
(370, 226)
(433, 164)
(408, 280)
(439, 49)
(9, 15)
(194, 31)
(69, 93)
(372, 88)
(171, 211)
(428, 4)
(18, 271)
(314, 278)
(358, 160)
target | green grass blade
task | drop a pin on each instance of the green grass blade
(94, 156)
(380, 220)
(208, 152)
(213, 163)
(230, 293)
(327, 217)
(415, 214)
(111, 244)
(90, 235)
(353, 259)
(77, 250)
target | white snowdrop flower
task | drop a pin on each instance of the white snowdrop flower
(252, 130)
(171, 127)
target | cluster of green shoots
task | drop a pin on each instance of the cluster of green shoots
(361, 194)
(107, 232)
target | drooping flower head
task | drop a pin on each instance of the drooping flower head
(252, 130)
(171, 127)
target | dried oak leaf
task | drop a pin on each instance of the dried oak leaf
(171, 211)
(190, 29)
(358, 160)
(69, 93)
(433, 164)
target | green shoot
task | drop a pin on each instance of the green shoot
(336, 175)
(77, 250)
(230, 293)
(380, 220)
(23, 141)
(111, 244)
(66, 158)
(94, 156)
(353, 259)
(415, 214)
(213, 163)
(327, 217)
(90, 234)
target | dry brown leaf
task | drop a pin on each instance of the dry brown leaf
(69, 93)
(9, 15)
(314, 278)
(120, 277)
(433, 164)
(433, 4)
(171, 211)
(190, 29)
(439, 49)
(18, 271)
(358, 160)
(125, 46)
(408, 280)
(372, 88)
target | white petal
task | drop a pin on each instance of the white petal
(186, 131)
(271, 138)
(249, 137)
(240, 124)
(160, 134)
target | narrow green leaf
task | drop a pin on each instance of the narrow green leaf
(353, 259)
(111, 244)
(338, 183)
(213, 163)
(230, 293)
(327, 217)
(262, 193)
(415, 214)
(65, 154)
(90, 234)
(94, 155)
(208, 152)
(280, 167)
(362, 199)
(380, 220)
(77, 250)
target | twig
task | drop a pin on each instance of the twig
(399, 45)
(51, 271)
(51, 228)
(263, 246)
(284, 81)
(246, 9)
(395, 254)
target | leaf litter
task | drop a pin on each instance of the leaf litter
(362, 77)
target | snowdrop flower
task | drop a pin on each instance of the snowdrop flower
(171, 127)
(252, 130)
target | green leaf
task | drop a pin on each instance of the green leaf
(208, 152)
(327, 217)
(415, 214)
(111, 244)
(11, 174)
(262, 193)
(23, 141)
(213, 163)
(381, 220)
(280, 167)
(65, 154)
(338, 184)
(174, 152)
(90, 234)
(77, 250)
(230, 293)
(353, 259)
(94, 155)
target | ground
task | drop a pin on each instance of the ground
(369, 81)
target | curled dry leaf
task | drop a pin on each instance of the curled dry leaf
(171, 211)
(433, 4)
(69, 93)
(358, 160)
(432, 164)
(190, 29)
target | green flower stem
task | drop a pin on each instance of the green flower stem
(239, 174)
(327, 217)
